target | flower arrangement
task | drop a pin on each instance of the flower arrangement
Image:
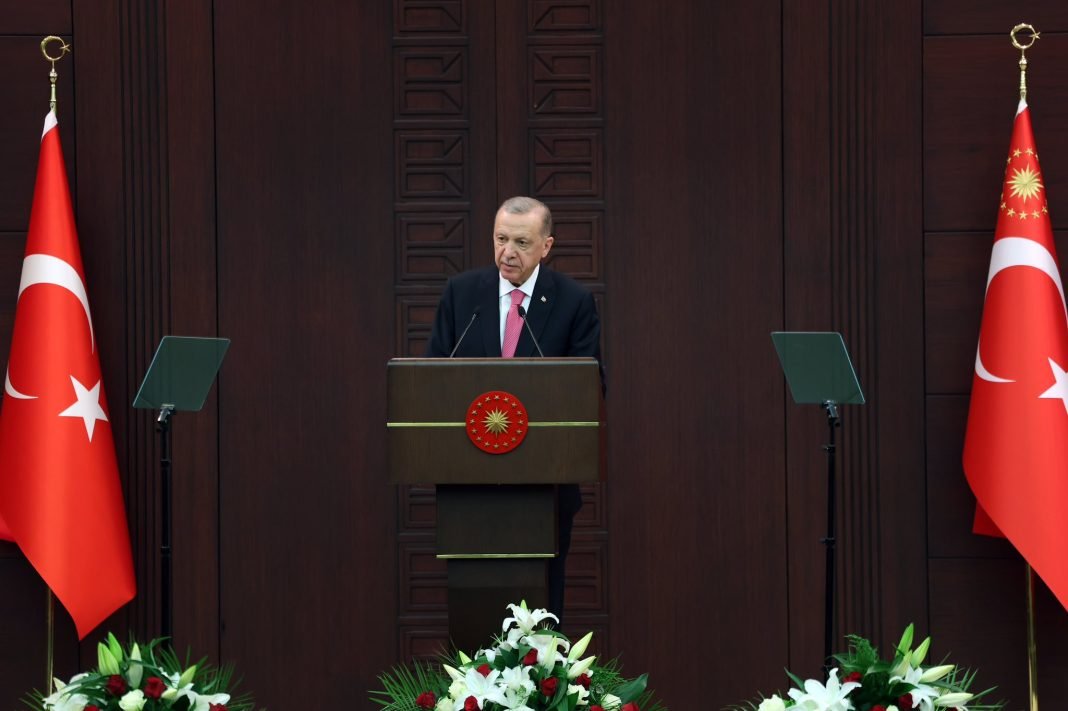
(146, 678)
(867, 683)
(530, 667)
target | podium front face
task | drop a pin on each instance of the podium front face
(494, 435)
(431, 432)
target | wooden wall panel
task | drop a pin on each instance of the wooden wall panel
(304, 226)
(970, 70)
(694, 257)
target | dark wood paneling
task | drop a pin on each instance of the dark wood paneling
(43, 17)
(192, 278)
(992, 16)
(694, 260)
(964, 160)
(304, 288)
(951, 503)
(24, 74)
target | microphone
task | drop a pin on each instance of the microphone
(474, 315)
(523, 315)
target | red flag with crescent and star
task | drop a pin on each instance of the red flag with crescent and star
(1016, 444)
(60, 494)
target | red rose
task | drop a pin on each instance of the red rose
(154, 687)
(91, 707)
(595, 707)
(852, 676)
(484, 670)
(426, 700)
(217, 707)
(116, 685)
(905, 702)
(631, 707)
(583, 681)
(548, 686)
(471, 704)
(531, 658)
(878, 707)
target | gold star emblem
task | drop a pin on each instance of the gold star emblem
(1023, 215)
(1029, 152)
(1012, 213)
(1034, 214)
(1016, 153)
(1025, 183)
(496, 421)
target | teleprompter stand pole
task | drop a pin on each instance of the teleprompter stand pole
(163, 425)
(833, 422)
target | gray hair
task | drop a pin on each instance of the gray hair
(521, 205)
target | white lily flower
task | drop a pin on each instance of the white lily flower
(66, 701)
(516, 700)
(203, 703)
(512, 639)
(517, 679)
(773, 704)
(923, 696)
(483, 688)
(817, 697)
(611, 702)
(935, 673)
(526, 619)
(444, 704)
(579, 668)
(132, 700)
(547, 646)
(954, 698)
(583, 694)
(458, 690)
(579, 648)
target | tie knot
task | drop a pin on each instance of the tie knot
(517, 297)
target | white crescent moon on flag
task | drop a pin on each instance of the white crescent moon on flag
(1018, 252)
(46, 269)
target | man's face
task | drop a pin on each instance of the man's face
(518, 245)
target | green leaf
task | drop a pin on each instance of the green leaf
(632, 689)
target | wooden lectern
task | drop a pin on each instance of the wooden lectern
(495, 435)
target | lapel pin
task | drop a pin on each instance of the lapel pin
(543, 299)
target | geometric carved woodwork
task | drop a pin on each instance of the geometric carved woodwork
(429, 82)
(564, 80)
(564, 17)
(430, 246)
(428, 16)
(566, 163)
(577, 244)
(415, 315)
(430, 165)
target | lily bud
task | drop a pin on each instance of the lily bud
(906, 639)
(580, 647)
(903, 667)
(169, 694)
(921, 652)
(579, 668)
(955, 698)
(106, 661)
(114, 647)
(454, 674)
(935, 673)
(187, 677)
(464, 659)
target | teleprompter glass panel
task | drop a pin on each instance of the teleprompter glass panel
(181, 373)
(817, 367)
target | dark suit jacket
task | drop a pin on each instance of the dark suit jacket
(562, 315)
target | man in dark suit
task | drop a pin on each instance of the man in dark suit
(559, 311)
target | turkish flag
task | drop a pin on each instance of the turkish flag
(60, 493)
(1016, 444)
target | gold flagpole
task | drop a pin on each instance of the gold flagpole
(50, 604)
(1032, 653)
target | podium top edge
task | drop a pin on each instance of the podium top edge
(492, 361)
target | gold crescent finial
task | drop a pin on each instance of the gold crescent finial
(64, 48)
(1023, 53)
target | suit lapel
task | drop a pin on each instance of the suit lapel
(491, 314)
(541, 305)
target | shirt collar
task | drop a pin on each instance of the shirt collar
(527, 287)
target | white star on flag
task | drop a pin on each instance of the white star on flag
(1059, 391)
(87, 406)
